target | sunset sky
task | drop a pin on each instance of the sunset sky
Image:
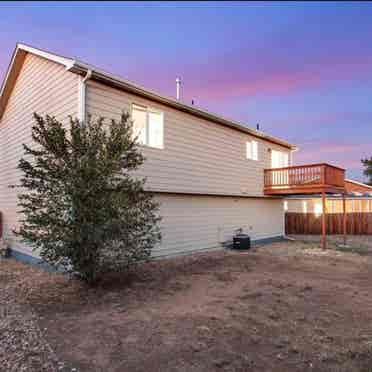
(302, 71)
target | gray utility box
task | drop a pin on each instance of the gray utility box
(241, 241)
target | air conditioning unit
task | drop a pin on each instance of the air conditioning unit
(241, 241)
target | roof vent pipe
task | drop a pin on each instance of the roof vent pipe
(178, 85)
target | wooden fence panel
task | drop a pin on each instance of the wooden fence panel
(309, 223)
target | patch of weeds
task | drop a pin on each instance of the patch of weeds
(249, 296)
(309, 244)
(307, 288)
(274, 316)
(221, 363)
(360, 249)
(225, 276)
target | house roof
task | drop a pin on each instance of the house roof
(81, 68)
(349, 196)
(359, 183)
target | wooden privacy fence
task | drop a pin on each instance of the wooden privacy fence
(311, 223)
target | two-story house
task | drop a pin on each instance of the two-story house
(205, 170)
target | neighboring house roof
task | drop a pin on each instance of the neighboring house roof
(82, 68)
(355, 186)
(354, 190)
(349, 196)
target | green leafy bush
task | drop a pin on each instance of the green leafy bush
(82, 207)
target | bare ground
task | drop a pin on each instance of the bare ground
(283, 307)
(364, 241)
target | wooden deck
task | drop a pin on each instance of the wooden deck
(304, 179)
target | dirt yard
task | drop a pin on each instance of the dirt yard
(284, 307)
(358, 241)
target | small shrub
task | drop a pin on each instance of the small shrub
(81, 205)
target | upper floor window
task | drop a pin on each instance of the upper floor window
(252, 150)
(279, 159)
(148, 126)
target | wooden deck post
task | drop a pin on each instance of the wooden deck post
(345, 216)
(324, 221)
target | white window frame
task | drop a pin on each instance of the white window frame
(149, 110)
(282, 155)
(251, 149)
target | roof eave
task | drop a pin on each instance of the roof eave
(358, 183)
(81, 68)
(11, 75)
(15, 65)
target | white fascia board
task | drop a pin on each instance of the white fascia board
(68, 62)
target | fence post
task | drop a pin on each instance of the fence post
(345, 216)
(324, 222)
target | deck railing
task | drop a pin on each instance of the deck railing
(305, 177)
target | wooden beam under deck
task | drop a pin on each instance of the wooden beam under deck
(303, 190)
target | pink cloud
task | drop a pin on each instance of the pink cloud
(243, 73)
(345, 155)
(329, 118)
(287, 79)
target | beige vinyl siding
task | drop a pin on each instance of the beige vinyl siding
(198, 156)
(46, 88)
(191, 223)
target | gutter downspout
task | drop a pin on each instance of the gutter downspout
(82, 95)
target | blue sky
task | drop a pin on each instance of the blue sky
(301, 70)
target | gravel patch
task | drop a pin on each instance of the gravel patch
(22, 344)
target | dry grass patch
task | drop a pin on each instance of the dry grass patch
(283, 307)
